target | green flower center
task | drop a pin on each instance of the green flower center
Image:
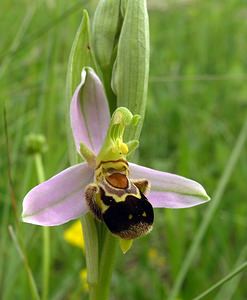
(114, 147)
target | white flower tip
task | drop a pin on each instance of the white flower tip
(83, 75)
(203, 194)
(28, 219)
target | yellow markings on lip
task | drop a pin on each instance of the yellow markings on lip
(115, 164)
(130, 216)
(144, 214)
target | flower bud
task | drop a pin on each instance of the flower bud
(35, 143)
(106, 27)
(130, 74)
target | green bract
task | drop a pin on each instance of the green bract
(80, 55)
(105, 32)
(130, 74)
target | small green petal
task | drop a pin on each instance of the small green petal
(132, 146)
(88, 155)
(125, 245)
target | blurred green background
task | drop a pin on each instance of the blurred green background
(197, 106)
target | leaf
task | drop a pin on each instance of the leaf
(80, 56)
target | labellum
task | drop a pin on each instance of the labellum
(120, 202)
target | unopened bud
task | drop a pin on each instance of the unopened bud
(35, 143)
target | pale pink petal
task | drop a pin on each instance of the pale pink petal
(89, 112)
(170, 190)
(59, 199)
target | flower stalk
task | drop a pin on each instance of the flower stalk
(46, 235)
(101, 289)
(91, 250)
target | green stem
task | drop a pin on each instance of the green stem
(100, 290)
(39, 167)
(107, 263)
(216, 199)
(46, 235)
(91, 249)
(46, 262)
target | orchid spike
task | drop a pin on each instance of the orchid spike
(119, 193)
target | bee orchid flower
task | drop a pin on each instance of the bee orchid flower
(118, 193)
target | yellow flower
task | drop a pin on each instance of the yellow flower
(156, 259)
(74, 235)
(83, 276)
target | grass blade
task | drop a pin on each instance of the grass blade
(23, 257)
(18, 39)
(216, 199)
(228, 290)
(222, 281)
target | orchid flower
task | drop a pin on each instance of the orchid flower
(117, 192)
